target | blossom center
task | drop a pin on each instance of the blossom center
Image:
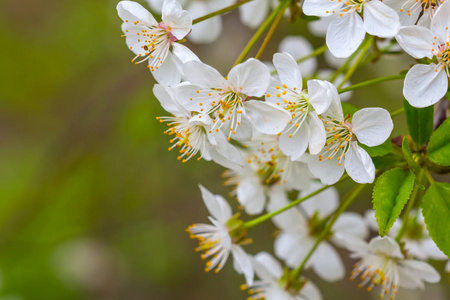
(339, 135)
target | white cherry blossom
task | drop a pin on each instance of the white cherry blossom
(271, 285)
(382, 263)
(215, 240)
(427, 84)
(301, 226)
(345, 33)
(369, 126)
(156, 42)
(190, 132)
(228, 100)
(305, 130)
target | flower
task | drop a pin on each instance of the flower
(267, 169)
(152, 41)
(274, 284)
(190, 132)
(382, 263)
(206, 31)
(346, 33)
(305, 128)
(301, 226)
(427, 84)
(369, 126)
(415, 11)
(216, 240)
(228, 100)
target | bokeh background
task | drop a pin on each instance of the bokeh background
(92, 205)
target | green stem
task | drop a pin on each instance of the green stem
(343, 67)
(397, 111)
(316, 52)
(260, 31)
(410, 205)
(272, 30)
(348, 199)
(364, 48)
(369, 82)
(220, 11)
(268, 216)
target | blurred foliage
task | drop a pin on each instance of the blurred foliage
(93, 206)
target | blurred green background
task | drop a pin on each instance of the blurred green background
(92, 205)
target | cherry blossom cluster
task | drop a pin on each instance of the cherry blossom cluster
(280, 130)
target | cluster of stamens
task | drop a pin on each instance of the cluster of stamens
(339, 136)
(209, 242)
(427, 6)
(296, 102)
(188, 138)
(155, 43)
(349, 6)
(375, 276)
(442, 53)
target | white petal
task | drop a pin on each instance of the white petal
(243, 261)
(168, 73)
(207, 31)
(178, 19)
(270, 263)
(380, 19)
(203, 75)
(251, 78)
(359, 165)
(407, 17)
(253, 13)
(328, 171)
(217, 206)
(422, 270)
(327, 263)
(440, 25)
(320, 27)
(266, 117)
(297, 144)
(320, 8)
(372, 126)
(408, 279)
(228, 151)
(132, 11)
(321, 93)
(345, 34)
(288, 70)
(287, 220)
(425, 85)
(310, 291)
(251, 195)
(349, 224)
(298, 47)
(292, 248)
(183, 53)
(166, 97)
(386, 245)
(324, 203)
(317, 134)
(186, 92)
(417, 41)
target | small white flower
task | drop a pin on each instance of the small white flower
(267, 169)
(190, 132)
(272, 285)
(215, 240)
(301, 226)
(152, 41)
(369, 126)
(382, 263)
(305, 128)
(346, 33)
(228, 100)
(427, 84)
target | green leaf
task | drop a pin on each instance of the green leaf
(439, 145)
(379, 150)
(387, 161)
(408, 155)
(390, 194)
(420, 123)
(436, 211)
